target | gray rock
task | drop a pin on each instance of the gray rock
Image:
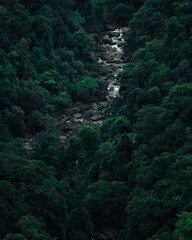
(111, 89)
(101, 48)
(95, 118)
(78, 116)
(104, 104)
(72, 110)
(63, 138)
(110, 27)
(113, 34)
(94, 106)
(107, 40)
(113, 61)
(28, 146)
(114, 43)
(120, 44)
(107, 55)
(111, 49)
(96, 37)
(104, 72)
(109, 69)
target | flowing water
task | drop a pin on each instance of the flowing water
(111, 59)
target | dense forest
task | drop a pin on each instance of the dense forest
(132, 175)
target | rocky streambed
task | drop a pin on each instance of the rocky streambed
(109, 53)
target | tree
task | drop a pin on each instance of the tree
(103, 199)
(119, 126)
(33, 228)
(79, 222)
(14, 237)
(16, 121)
(90, 139)
(45, 196)
(183, 226)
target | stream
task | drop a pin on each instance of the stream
(110, 57)
(109, 53)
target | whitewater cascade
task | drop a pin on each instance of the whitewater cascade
(111, 58)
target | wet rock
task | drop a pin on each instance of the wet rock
(78, 116)
(109, 69)
(107, 40)
(28, 146)
(104, 104)
(63, 138)
(107, 55)
(88, 114)
(113, 61)
(83, 107)
(111, 49)
(101, 48)
(114, 42)
(94, 106)
(110, 27)
(72, 110)
(95, 118)
(114, 34)
(120, 44)
(104, 72)
(111, 89)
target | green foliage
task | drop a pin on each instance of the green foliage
(122, 11)
(103, 199)
(80, 223)
(14, 237)
(36, 122)
(16, 121)
(133, 173)
(33, 228)
(39, 71)
(120, 126)
(89, 87)
(183, 226)
(49, 150)
(90, 139)
(63, 100)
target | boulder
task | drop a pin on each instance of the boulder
(72, 110)
(96, 37)
(95, 118)
(107, 55)
(113, 61)
(107, 40)
(63, 138)
(102, 48)
(108, 69)
(111, 49)
(111, 89)
(104, 104)
(78, 116)
(120, 44)
(113, 34)
(110, 27)
(94, 106)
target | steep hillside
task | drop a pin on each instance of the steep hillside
(129, 175)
